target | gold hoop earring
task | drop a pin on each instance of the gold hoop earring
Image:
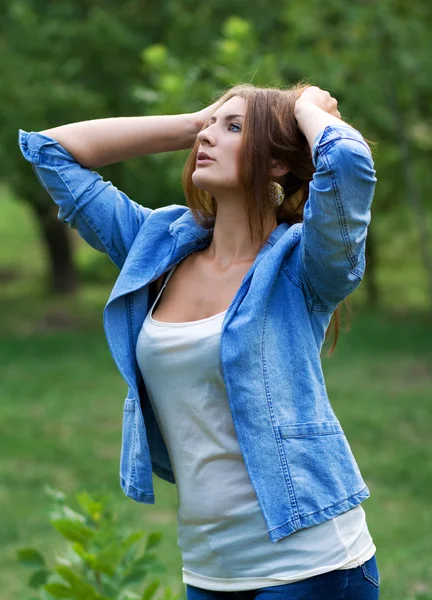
(276, 193)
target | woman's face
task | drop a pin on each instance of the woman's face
(221, 140)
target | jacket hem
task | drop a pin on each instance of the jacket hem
(137, 495)
(319, 517)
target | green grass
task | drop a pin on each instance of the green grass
(61, 410)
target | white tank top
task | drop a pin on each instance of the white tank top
(222, 534)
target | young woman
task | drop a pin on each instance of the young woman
(216, 323)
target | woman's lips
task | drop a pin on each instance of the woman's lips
(204, 161)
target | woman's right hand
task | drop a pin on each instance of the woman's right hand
(201, 116)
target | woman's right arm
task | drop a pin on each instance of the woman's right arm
(100, 142)
(63, 158)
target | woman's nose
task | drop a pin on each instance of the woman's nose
(204, 135)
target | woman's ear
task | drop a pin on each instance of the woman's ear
(278, 168)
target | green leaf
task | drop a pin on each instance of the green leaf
(168, 594)
(107, 560)
(159, 568)
(150, 590)
(153, 539)
(135, 576)
(150, 562)
(38, 578)
(129, 545)
(111, 587)
(91, 507)
(30, 557)
(73, 530)
(147, 559)
(59, 590)
(73, 515)
(132, 539)
(67, 574)
(78, 586)
(67, 513)
(106, 569)
(128, 595)
(44, 595)
(79, 549)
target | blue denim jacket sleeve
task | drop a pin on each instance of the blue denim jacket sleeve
(104, 217)
(336, 216)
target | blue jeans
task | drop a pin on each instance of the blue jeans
(360, 583)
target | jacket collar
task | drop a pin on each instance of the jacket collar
(188, 236)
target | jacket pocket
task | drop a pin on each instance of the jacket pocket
(321, 465)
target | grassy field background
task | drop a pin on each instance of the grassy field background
(62, 397)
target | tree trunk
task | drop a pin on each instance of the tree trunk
(63, 276)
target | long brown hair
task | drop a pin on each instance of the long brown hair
(270, 131)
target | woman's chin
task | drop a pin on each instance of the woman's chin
(200, 184)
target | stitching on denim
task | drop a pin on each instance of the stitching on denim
(315, 307)
(334, 505)
(291, 521)
(285, 467)
(175, 233)
(323, 308)
(128, 410)
(358, 272)
(292, 277)
(308, 301)
(369, 575)
(131, 321)
(341, 136)
(134, 489)
(34, 153)
(109, 249)
(133, 459)
(354, 139)
(307, 435)
(339, 208)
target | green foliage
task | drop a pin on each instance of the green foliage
(70, 403)
(101, 560)
(373, 57)
(175, 85)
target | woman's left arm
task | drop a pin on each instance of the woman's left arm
(337, 212)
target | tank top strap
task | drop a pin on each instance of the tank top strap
(170, 272)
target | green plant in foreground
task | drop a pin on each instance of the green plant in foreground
(101, 559)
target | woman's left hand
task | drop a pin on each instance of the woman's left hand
(320, 98)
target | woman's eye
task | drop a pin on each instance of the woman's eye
(235, 125)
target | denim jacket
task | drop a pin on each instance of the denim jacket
(294, 448)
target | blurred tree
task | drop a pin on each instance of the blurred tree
(373, 57)
(65, 62)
